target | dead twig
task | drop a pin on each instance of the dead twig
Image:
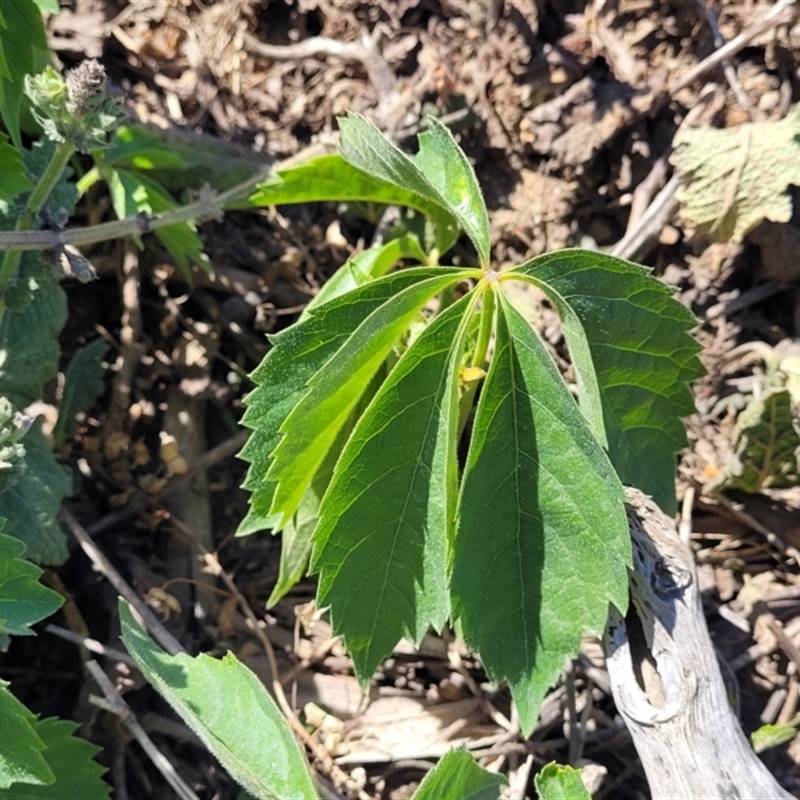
(92, 645)
(114, 704)
(772, 18)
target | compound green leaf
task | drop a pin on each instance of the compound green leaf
(458, 777)
(331, 177)
(311, 427)
(23, 600)
(133, 194)
(281, 379)
(560, 782)
(30, 506)
(224, 703)
(542, 541)
(440, 173)
(385, 522)
(21, 758)
(78, 775)
(13, 175)
(83, 384)
(629, 340)
(366, 266)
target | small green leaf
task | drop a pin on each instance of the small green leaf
(440, 173)
(30, 506)
(133, 194)
(230, 710)
(446, 167)
(560, 782)
(769, 736)
(541, 514)
(387, 517)
(458, 777)
(78, 775)
(297, 354)
(365, 267)
(134, 147)
(310, 428)
(23, 600)
(630, 344)
(332, 178)
(83, 384)
(13, 175)
(21, 758)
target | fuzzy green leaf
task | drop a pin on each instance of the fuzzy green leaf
(230, 710)
(13, 175)
(630, 344)
(332, 178)
(299, 353)
(542, 542)
(83, 384)
(133, 194)
(29, 349)
(23, 600)
(21, 758)
(560, 782)
(381, 544)
(734, 178)
(30, 506)
(440, 172)
(458, 777)
(78, 775)
(311, 427)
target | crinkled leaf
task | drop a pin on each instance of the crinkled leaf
(83, 384)
(24, 49)
(31, 505)
(21, 758)
(224, 703)
(458, 777)
(440, 172)
(29, 349)
(560, 782)
(542, 542)
(133, 194)
(23, 600)
(311, 427)
(365, 267)
(630, 344)
(381, 544)
(13, 175)
(78, 775)
(299, 353)
(332, 178)
(736, 177)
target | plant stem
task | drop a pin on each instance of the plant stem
(478, 357)
(205, 207)
(36, 200)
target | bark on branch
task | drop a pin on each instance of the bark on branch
(665, 677)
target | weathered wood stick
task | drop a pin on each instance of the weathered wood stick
(665, 677)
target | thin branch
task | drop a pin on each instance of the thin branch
(92, 645)
(114, 704)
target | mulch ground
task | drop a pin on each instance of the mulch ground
(568, 110)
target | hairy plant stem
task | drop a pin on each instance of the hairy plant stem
(478, 356)
(36, 200)
(208, 206)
